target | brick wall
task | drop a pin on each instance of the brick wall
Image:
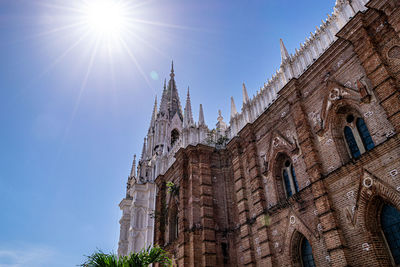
(232, 205)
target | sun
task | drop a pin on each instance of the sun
(105, 18)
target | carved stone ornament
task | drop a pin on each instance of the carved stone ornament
(394, 52)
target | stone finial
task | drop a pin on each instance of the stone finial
(188, 116)
(144, 149)
(245, 95)
(133, 170)
(221, 125)
(172, 70)
(154, 114)
(284, 52)
(233, 108)
(201, 116)
(220, 118)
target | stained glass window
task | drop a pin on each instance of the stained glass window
(296, 186)
(287, 183)
(306, 254)
(364, 134)
(390, 221)
(351, 142)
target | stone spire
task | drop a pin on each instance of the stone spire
(172, 74)
(245, 95)
(164, 100)
(233, 108)
(174, 104)
(133, 170)
(154, 114)
(144, 149)
(284, 52)
(188, 116)
(201, 116)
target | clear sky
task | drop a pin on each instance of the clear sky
(75, 107)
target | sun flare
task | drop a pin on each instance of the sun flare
(105, 18)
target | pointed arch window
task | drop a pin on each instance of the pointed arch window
(174, 137)
(357, 136)
(307, 258)
(364, 134)
(173, 225)
(351, 142)
(390, 222)
(289, 178)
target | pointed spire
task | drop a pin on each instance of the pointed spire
(201, 116)
(144, 150)
(174, 105)
(245, 95)
(164, 100)
(154, 114)
(284, 52)
(172, 70)
(188, 116)
(233, 108)
(133, 170)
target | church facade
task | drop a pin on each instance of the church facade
(306, 174)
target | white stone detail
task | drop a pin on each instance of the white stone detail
(293, 66)
(350, 194)
(393, 172)
(368, 182)
(365, 246)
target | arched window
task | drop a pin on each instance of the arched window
(357, 136)
(307, 258)
(173, 225)
(364, 134)
(174, 136)
(351, 142)
(390, 222)
(289, 178)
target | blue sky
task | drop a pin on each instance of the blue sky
(72, 116)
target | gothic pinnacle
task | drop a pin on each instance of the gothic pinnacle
(133, 170)
(154, 114)
(201, 116)
(233, 108)
(172, 70)
(188, 116)
(245, 95)
(144, 150)
(284, 52)
(164, 100)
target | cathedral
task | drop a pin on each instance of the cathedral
(306, 173)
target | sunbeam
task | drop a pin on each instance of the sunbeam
(132, 57)
(78, 99)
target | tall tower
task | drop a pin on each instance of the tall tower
(168, 131)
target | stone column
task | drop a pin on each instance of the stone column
(124, 228)
(208, 241)
(257, 203)
(246, 250)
